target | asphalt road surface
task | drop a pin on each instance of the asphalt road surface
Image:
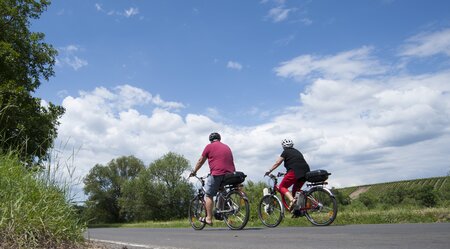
(411, 236)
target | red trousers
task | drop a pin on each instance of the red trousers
(289, 180)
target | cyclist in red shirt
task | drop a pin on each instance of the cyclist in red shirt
(220, 160)
(296, 167)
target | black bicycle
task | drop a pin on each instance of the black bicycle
(231, 205)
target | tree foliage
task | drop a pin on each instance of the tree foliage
(160, 192)
(104, 184)
(125, 190)
(25, 60)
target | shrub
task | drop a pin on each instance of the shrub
(341, 198)
(34, 214)
(369, 200)
(394, 196)
(426, 196)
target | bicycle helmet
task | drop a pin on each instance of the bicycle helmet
(287, 143)
(214, 136)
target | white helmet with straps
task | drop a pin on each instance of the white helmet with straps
(287, 143)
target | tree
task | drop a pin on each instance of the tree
(160, 192)
(176, 190)
(25, 60)
(104, 184)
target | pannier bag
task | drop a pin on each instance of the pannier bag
(234, 178)
(320, 175)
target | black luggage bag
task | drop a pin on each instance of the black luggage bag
(234, 178)
(320, 175)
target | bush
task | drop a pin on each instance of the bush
(444, 193)
(369, 200)
(34, 214)
(341, 198)
(394, 196)
(426, 196)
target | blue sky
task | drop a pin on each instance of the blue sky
(362, 87)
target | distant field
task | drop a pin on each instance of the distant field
(436, 182)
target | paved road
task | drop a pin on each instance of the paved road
(411, 236)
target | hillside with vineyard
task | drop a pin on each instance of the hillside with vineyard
(437, 183)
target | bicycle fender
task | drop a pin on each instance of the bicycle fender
(244, 195)
(325, 189)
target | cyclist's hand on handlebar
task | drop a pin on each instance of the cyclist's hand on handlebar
(267, 173)
(192, 174)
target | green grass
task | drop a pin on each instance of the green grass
(34, 212)
(379, 216)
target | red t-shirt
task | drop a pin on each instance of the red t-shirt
(220, 158)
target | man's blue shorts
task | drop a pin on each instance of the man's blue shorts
(213, 184)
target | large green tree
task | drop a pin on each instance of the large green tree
(25, 61)
(104, 184)
(160, 192)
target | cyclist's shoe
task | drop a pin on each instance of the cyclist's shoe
(203, 220)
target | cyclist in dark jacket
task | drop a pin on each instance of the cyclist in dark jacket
(296, 167)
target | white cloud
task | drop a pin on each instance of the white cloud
(279, 14)
(427, 44)
(360, 124)
(345, 65)
(68, 57)
(355, 129)
(234, 65)
(98, 7)
(358, 116)
(131, 12)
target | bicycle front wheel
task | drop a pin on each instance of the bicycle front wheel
(270, 211)
(321, 207)
(197, 209)
(236, 210)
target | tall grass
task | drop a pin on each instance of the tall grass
(34, 209)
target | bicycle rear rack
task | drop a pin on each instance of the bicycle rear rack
(316, 184)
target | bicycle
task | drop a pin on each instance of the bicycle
(316, 202)
(231, 205)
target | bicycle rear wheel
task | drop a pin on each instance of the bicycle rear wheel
(197, 209)
(237, 210)
(321, 207)
(270, 211)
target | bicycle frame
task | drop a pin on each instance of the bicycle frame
(231, 205)
(310, 202)
(222, 193)
(318, 204)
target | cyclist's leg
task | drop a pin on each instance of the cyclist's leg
(212, 186)
(288, 181)
(298, 185)
(295, 188)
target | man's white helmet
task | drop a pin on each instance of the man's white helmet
(287, 143)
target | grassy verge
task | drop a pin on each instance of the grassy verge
(405, 215)
(34, 213)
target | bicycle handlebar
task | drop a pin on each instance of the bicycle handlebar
(280, 174)
(200, 178)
